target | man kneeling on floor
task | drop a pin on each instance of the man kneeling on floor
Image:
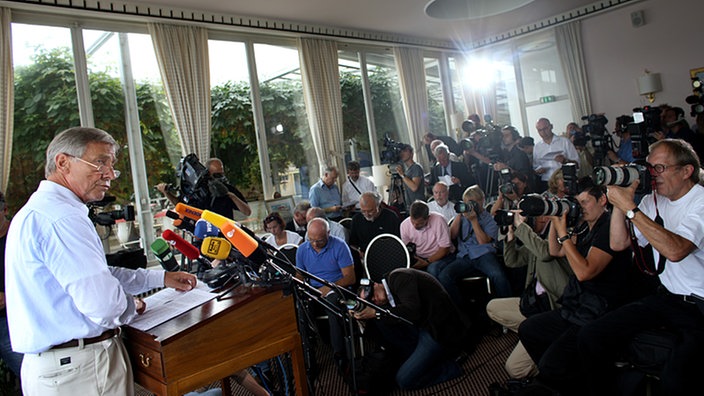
(431, 349)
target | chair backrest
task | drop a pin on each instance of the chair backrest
(287, 252)
(384, 253)
(346, 222)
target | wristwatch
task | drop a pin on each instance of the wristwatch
(562, 239)
(630, 214)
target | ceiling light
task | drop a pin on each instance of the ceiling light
(470, 9)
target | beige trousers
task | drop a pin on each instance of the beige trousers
(505, 312)
(102, 368)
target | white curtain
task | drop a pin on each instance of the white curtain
(182, 53)
(568, 38)
(411, 71)
(7, 99)
(321, 90)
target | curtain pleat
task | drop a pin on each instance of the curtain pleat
(411, 71)
(7, 98)
(568, 39)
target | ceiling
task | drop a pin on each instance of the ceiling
(401, 17)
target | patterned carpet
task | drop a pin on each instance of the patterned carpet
(484, 366)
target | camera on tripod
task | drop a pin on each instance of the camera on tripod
(392, 151)
(534, 205)
(595, 130)
(107, 218)
(624, 176)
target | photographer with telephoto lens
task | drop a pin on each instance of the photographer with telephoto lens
(597, 286)
(671, 221)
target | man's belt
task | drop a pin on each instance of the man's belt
(107, 334)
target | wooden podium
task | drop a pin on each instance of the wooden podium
(215, 340)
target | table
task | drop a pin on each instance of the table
(215, 340)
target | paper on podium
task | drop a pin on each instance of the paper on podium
(169, 303)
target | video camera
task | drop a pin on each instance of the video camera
(196, 183)
(486, 141)
(595, 130)
(569, 175)
(646, 121)
(107, 218)
(534, 205)
(625, 175)
(697, 100)
(392, 151)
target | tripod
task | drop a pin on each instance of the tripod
(397, 192)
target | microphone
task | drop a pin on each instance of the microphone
(245, 243)
(188, 211)
(216, 248)
(181, 222)
(163, 253)
(215, 219)
(204, 229)
(183, 246)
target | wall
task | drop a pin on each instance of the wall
(616, 54)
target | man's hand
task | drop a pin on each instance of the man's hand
(622, 197)
(540, 171)
(140, 305)
(181, 281)
(162, 187)
(367, 313)
(561, 158)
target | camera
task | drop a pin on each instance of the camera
(392, 151)
(364, 292)
(624, 176)
(503, 218)
(646, 121)
(569, 175)
(507, 187)
(533, 205)
(106, 218)
(595, 130)
(465, 207)
(193, 178)
(697, 100)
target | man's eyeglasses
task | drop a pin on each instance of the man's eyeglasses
(661, 168)
(103, 169)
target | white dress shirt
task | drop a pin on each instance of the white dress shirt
(447, 211)
(59, 286)
(350, 195)
(544, 155)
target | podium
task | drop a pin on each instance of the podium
(215, 340)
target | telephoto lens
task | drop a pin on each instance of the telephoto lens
(533, 205)
(616, 175)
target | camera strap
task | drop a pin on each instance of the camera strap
(353, 185)
(645, 260)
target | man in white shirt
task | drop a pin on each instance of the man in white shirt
(65, 305)
(355, 186)
(551, 153)
(440, 202)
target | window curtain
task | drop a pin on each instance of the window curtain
(411, 71)
(321, 90)
(7, 100)
(182, 54)
(568, 38)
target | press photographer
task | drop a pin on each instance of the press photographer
(624, 153)
(513, 186)
(671, 221)
(595, 130)
(206, 187)
(429, 348)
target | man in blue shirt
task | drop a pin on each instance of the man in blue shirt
(624, 155)
(328, 257)
(325, 194)
(475, 231)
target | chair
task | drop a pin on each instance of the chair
(385, 252)
(287, 252)
(346, 222)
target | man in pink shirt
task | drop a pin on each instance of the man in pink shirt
(430, 234)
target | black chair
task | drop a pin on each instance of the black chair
(385, 252)
(287, 252)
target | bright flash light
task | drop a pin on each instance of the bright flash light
(279, 128)
(480, 74)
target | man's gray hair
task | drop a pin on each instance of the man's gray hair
(73, 141)
(373, 195)
(322, 220)
(302, 207)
